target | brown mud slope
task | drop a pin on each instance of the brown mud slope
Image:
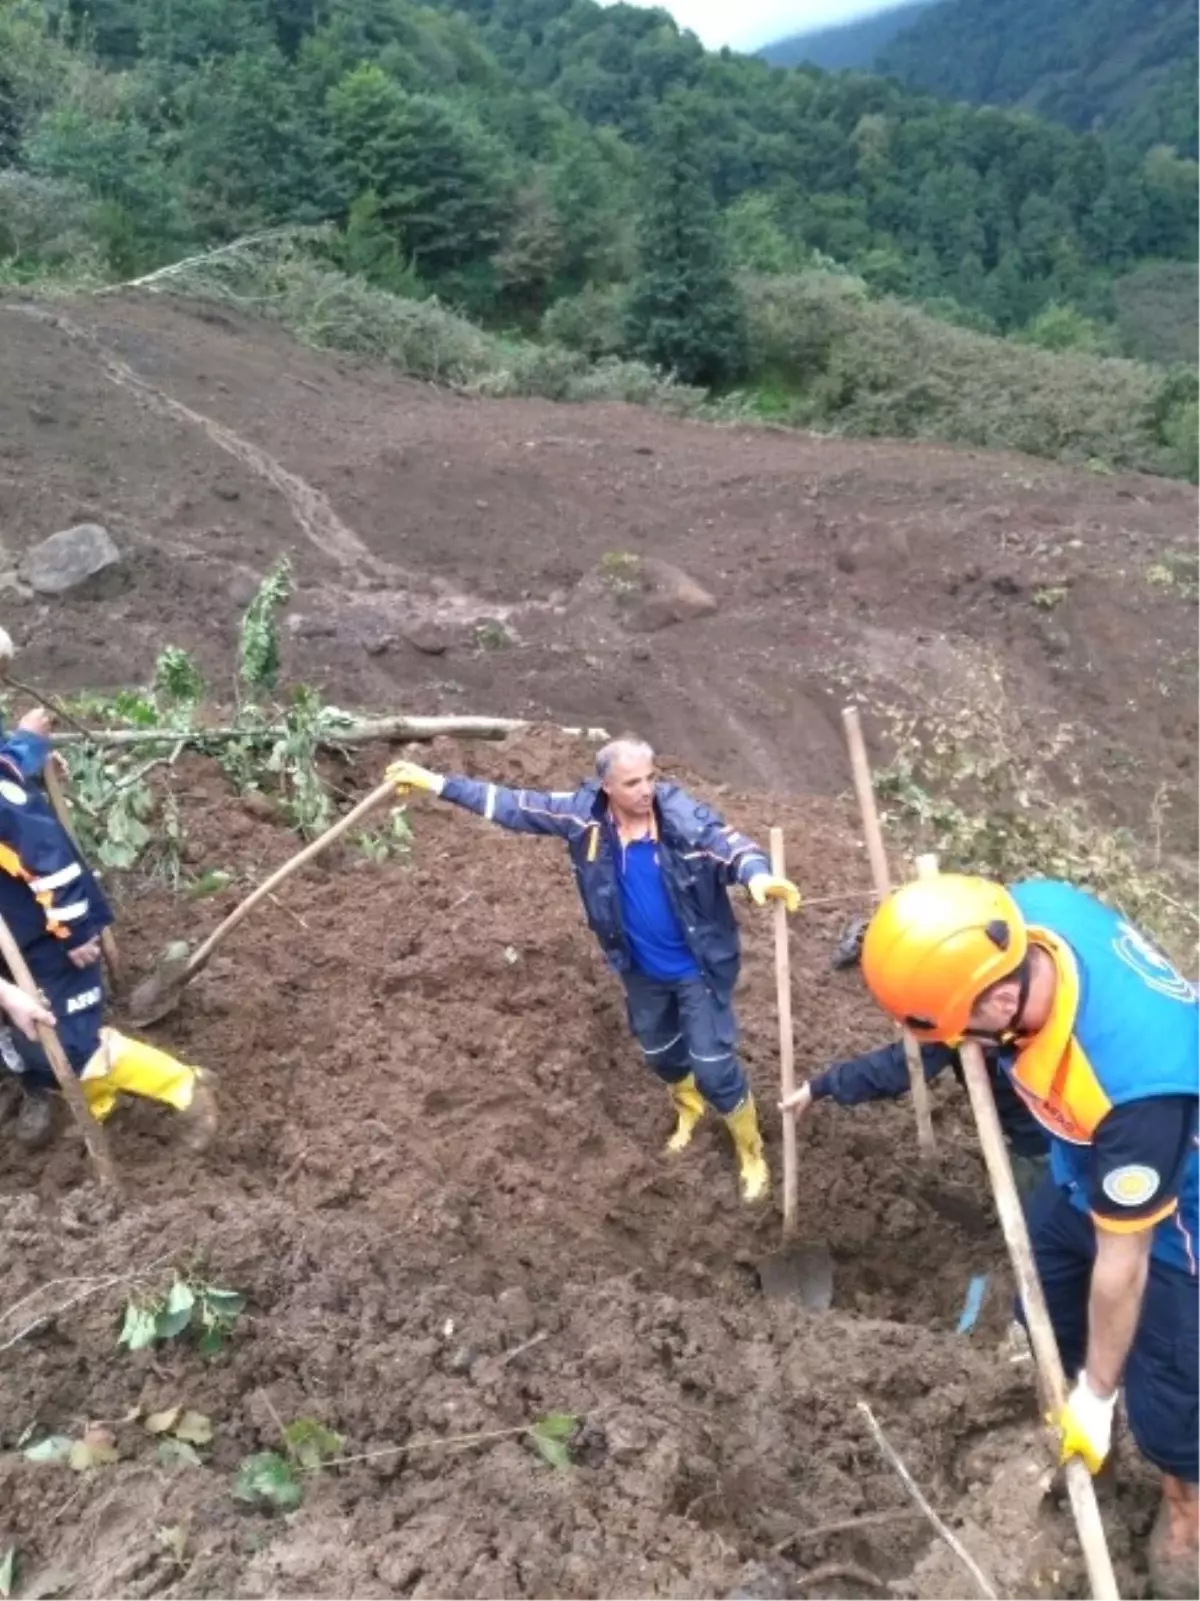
(438, 1179)
(462, 554)
(439, 1183)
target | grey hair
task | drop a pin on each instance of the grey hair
(609, 755)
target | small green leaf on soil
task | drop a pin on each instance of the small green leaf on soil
(140, 1328)
(174, 1453)
(310, 1443)
(210, 883)
(225, 1303)
(96, 1450)
(554, 1451)
(8, 1570)
(173, 1539)
(163, 1422)
(195, 1428)
(268, 1479)
(181, 1297)
(556, 1426)
(54, 1448)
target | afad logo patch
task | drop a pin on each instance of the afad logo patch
(1150, 965)
(1131, 1186)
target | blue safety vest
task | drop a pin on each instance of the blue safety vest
(1124, 1026)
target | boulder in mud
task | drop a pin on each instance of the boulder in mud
(652, 594)
(670, 596)
(83, 561)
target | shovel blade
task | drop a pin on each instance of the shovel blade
(800, 1273)
(158, 994)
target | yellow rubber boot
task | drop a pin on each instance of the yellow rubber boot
(122, 1066)
(689, 1109)
(747, 1141)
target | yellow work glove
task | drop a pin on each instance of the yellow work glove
(1086, 1423)
(408, 776)
(766, 887)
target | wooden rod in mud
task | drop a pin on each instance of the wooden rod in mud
(787, 1059)
(1052, 1380)
(861, 768)
(93, 1135)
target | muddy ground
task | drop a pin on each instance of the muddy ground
(438, 1179)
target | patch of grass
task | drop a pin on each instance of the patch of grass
(880, 367)
(619, 570)
(984, 803)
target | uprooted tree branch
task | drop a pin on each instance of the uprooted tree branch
(271, 744)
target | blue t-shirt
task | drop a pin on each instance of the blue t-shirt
(654, 932)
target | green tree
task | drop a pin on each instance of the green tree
(685, 311)
(245, 150)
(441, 182)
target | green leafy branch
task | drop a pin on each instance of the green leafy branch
(189, 1305)
(125, 820)
(275, 1480)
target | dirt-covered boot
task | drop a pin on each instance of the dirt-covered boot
(198, 1120)
(1173, 1543)
(689, 1109)
(33, 1126)
(747, 1140)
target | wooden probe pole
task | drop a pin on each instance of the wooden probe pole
(1053, 1382)
(865, 790)
(93, 1135)
(787, 1061)
(58, 799)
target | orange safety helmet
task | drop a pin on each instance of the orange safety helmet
(936, 945)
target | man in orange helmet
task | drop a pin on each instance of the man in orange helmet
(1105, 1038)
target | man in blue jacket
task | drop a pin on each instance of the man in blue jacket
(56, 910)
(653, 866)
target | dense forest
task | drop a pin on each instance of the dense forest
(844, 46)
(499, 151)
(1123, 67)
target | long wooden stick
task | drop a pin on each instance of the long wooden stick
(93, 1135)
(378, 797)
(58, 799)
(1052, 1380)
(865, 790)
(787, 1060)
(896, 1462)
(360, 732)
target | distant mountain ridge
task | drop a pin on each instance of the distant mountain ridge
(846, 46)
(1124, 67)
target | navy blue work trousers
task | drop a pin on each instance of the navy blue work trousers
(1162, 1372)
(686, 1027)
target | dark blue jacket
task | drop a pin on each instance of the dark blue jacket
(48, 897)
(883, 1075)
(700, 857)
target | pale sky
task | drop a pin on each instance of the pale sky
(746, 24)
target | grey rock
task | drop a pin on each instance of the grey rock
(83, 560)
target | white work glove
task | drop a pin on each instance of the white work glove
(1086, 1425)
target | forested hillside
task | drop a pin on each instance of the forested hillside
(1124, 67)
(496, 150)
(846, 45)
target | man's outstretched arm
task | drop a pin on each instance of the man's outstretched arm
(522, 811)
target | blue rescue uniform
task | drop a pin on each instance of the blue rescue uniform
(52, 903)
(659, 908)
(1113, 1078)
